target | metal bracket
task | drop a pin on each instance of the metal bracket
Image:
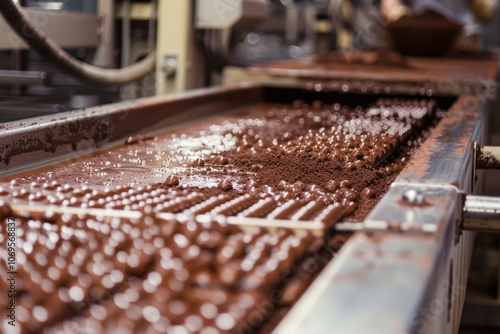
(475, 213)
(170, 65)
(415, 208)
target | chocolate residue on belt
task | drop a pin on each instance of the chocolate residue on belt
(299, 152)
(70, 133)
(300, 162)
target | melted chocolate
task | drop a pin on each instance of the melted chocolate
(300, 162)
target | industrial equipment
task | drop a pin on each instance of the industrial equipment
(337, 192)
(415, 242)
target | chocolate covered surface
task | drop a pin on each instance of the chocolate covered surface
(300, 162)
(275, 158)
(149, 275)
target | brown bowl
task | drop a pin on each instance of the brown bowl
(429, 34)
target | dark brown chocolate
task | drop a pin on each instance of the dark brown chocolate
(300, 162)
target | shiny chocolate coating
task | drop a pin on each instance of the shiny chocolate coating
(301, 162)
(102, 273)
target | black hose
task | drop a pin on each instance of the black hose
(49, 50)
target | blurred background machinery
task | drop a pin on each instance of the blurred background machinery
(193, 42)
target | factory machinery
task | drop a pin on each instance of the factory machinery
(404, 270)
(333, 193)
(173, 46)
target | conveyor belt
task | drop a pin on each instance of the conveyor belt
(279, 172)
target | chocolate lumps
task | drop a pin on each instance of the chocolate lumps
(301, 162)
(172, 180)
(263, 153)
(113, 273)
(226, 184)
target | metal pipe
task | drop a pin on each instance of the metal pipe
(292, 24)
(14, 16)
(104, 56)
(482, 214)
(126, 33)
(152, 26)
(22, 77)
(488, 157)
(16, 65)
(309, 13)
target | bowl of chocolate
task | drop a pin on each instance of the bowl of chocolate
(429, 34)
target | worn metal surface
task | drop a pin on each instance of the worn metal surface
(373, 286)
(387, 282)
(434, 210)
(447, 153)
(371, 73)
(66, 29)
(482, 214)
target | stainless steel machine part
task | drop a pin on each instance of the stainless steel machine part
(373, 73)
(104, 55)
(22, 77)
(177, 41)
(47, 139)
(125, 51)
(482, 214)
(374, 290)
(48, 49)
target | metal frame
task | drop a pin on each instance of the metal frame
(105, 51)
(85, 29)
(230, 14)
(371, 73)
(138, 11)
(177, 64)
